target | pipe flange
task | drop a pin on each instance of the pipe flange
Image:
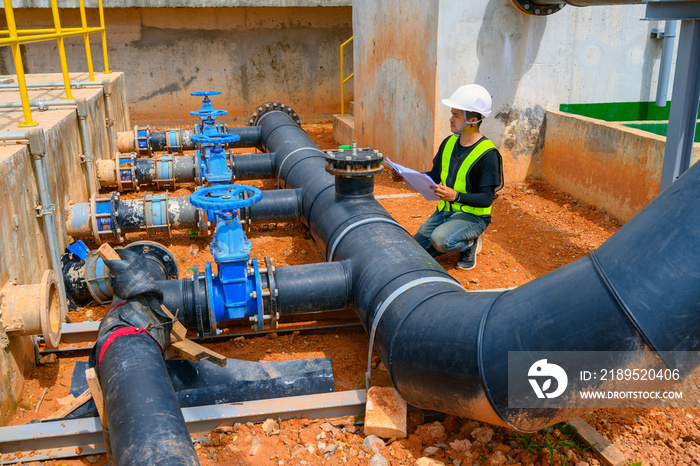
(269, 106)
(536, 9)
(355, 162)
(273, 294)
(159, 255)
(52, 309)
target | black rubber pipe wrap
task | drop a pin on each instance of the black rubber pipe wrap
(447, 349)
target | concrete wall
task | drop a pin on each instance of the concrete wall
(529, 65)
(396, 57)
(611, 166)
(251, 54)
(23, 244)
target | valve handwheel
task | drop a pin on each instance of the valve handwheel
(208, 113)
(215, 138)
(205, 93)
(225, 197)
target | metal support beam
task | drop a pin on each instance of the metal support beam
(672, 9)
(684, 104)
(79, 437)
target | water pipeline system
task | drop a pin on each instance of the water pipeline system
(446, 349)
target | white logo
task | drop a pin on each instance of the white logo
(543, 369)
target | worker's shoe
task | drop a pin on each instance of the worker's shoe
(467, 259)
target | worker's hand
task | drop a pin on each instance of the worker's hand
(445, 193)
(394, 175)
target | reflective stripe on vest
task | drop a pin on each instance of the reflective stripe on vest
(462, 173)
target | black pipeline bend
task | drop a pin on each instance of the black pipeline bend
(446, 349)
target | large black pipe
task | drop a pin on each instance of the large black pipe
(253, 166)
(446, 349)
(145, 421)
(279, 205)
(312, 287)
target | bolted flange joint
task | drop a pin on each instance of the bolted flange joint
(354, 162)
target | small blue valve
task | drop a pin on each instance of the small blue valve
(211, 157)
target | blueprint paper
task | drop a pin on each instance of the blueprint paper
(418, 182)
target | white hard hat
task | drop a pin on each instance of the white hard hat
(472, 98)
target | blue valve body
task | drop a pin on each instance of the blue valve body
(231, 289)
(211, 158)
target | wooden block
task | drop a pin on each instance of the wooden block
(385, 414)
(605, 450)
(96, 392)
(107, 253)
(72, 406)
(187, 349)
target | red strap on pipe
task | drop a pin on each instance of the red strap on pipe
(122, 331)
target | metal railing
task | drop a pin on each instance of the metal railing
(23, 36)
(343, 79)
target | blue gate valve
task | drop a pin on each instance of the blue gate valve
(235, 291)
(211, 158)
(213, 166)
(207, 114)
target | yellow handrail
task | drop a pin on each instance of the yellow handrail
(37, 31)
(61, 51)
(23, 36)
(343, 79)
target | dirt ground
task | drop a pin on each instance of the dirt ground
(535, 229)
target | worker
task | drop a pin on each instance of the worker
(468, 171)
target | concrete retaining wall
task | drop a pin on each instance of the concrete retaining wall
(609, 165)
(395, 78)
(251, 54)
(23, 245)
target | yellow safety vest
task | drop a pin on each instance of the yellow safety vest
(462, 173)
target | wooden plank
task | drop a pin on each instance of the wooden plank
(187, 349)
(72, 406)
(96, 390)
(605, 450)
